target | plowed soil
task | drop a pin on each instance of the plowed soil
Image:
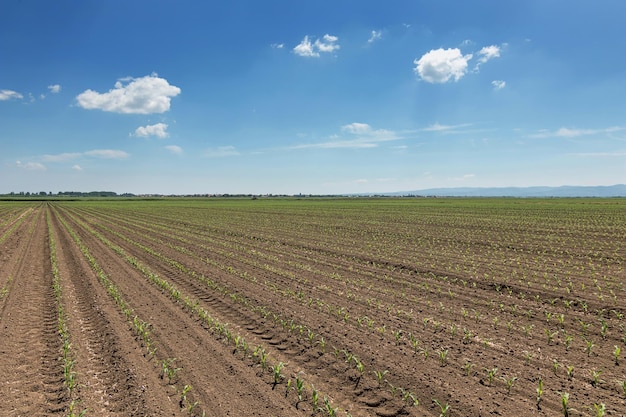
(375, 308)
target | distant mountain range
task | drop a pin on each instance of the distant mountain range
(618, 190)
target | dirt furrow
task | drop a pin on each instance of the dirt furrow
(223, 384)
(29, 343)
(115, 379)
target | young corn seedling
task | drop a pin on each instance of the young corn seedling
(322, 344)
(555, 366)
(550, 335)
(276, 372)
(359, 367)
(570, 372)
(600, 409)
(568, 341)
(589, 346)
(509, 383)
(330, 411)
(604, 328)
(616, 352)
(299, 389)
(380, 375)
(168, 369)
(443, 357)
(467, 368)
(491, 374)
(397, 335)
(315, 398)
(564, 404)
(183, 395)
(442, 408)
(539, 392)
(595, 377)
(288, 387)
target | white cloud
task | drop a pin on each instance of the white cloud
(159, 130)
(565, 132)
(498, 84)
(444, 128)
(145, 95)
(175, 149)
(62, 157)
(31, 166)
(376, 34)
(306, 48)
(77, 168)
(441, 65)
(357, 128)
(107, 154)
(9, 94)
(221, 151)
(278, 45)
(55, 88)
(488, 52)
(361, 136)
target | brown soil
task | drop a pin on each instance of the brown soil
(313, 305)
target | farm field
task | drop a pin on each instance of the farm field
(296, 307)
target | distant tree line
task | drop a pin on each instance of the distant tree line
(68, 194)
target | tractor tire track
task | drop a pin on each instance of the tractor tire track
(29, 343)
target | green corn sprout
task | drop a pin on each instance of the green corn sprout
(380, 375)
(330, 411)
(595, 377)
(397, 335)
(589, 347)
(443, 408)
(183, 395)
(509, 383)
(616, 352)
(539, 392)
(491, 374)
(299, 388)
(570, 372)
(555, 366)
(322, 344)
(467, 367)
(288, 387)
(443, 357)
(314, 398)
(600, 409)
(564, 406)
(276, 371)
(168, 369)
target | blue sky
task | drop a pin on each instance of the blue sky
(317, 97)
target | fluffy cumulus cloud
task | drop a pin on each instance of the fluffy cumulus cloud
(441, 65)
(9, 94)
(498, 84)
(159, 130)
(327, 44)
(145, 95)
(55, 88)
(487, 53)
